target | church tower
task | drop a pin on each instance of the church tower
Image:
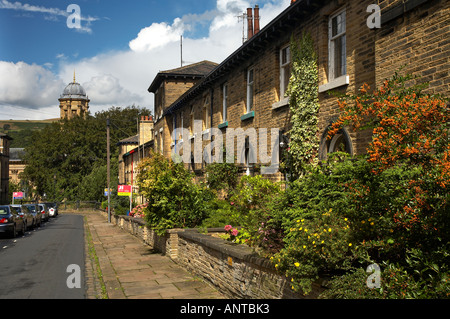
(73, 101)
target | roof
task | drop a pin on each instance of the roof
(197, 71)
(74, 90)
(129, 140)
(283, 24)
(6, 136)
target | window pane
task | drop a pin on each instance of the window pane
(337, 57)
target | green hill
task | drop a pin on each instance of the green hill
(21, 130)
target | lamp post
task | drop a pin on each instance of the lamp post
(108, 169)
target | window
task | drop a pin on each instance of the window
(340, 142)
(224, 102)
(191, 125)
(174, 129)
(180, 134)
(285, 70)
(337, 45)
(250, 90)
(206, 119)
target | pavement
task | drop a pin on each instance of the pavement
(120, 266)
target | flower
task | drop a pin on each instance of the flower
(228, 227)
(234, 232)
(296, 264)
(350, 245)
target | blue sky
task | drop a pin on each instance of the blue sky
(116, 53)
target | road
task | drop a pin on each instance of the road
(35, 266)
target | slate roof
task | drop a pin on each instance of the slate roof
(196, 70)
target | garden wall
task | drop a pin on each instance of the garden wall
(235, 270)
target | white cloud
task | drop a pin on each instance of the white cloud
(121, 78)
(33, 86)
(157, 35)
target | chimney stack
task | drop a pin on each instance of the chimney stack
(249, 23)
(256, 19)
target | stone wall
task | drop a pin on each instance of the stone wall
(235, 270)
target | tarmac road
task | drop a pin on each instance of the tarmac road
(35, 266)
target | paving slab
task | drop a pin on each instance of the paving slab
(133, 270)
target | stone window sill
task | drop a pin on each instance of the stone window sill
(248, 115)
(281, 103)
(340, 81)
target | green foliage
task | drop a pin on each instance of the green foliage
(174, 200)
(304, 105)
(348, 213)
(222, 176)
(250, 200)
(221, 213)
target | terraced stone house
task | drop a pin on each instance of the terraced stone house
(247, 89)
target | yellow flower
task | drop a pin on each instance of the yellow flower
(350, 244)
(345, 219)
(300, 228)
(276, 265)
(371, 223)
(329, 230)
(298, 220)
(304, 246)
(296, 264)
(322, 241)
(314, 242)
(363, 222)
(306, 230)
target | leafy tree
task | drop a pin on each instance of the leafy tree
(67, 159)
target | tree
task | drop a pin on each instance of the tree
(67, 159)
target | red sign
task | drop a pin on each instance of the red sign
(18, 195)
(124, 190)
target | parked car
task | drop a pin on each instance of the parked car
(34, 209)
(52, 209)
(26, 215)
(44, 212)
(10, 221)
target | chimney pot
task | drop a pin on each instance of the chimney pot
(249, 23)
(256, 19)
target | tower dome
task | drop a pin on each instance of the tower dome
(73, 101)
(74, 90)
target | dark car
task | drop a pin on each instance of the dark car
(26, 215)
(44, 212)
(34, 209)
(52, 209)
(10, 221)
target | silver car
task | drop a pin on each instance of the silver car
(44, 212)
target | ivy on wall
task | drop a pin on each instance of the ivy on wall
(303, 92)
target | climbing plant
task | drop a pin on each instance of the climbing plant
(304, 104)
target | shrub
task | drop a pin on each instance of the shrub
(389, 207)
(251, 200)
(174, 200)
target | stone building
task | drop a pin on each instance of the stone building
(5, 141)
(132, 150)
(16, 164)
(73, 101)
(247, 89)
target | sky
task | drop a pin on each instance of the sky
(116, 50)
